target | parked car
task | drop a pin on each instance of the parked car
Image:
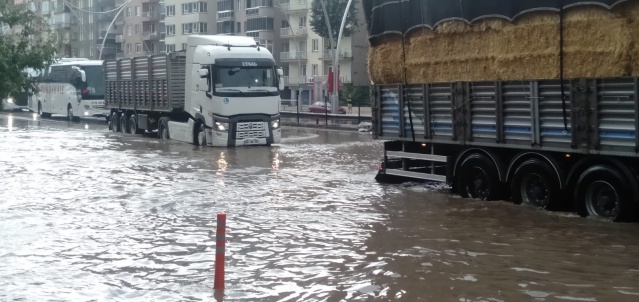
(10, 104)
(321, 107)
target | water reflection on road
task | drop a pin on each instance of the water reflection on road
(86, 215)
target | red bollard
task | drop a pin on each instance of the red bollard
(220, 246)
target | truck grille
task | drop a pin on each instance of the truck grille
(250, 134)
(250, 126)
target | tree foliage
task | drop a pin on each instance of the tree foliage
(335, 10)
(357, 94)
(26, 41)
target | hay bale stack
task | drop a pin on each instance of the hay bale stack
(597, 43)
(386, 61)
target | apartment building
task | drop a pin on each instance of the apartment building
(184, 18)
(307, 58)
(139, 28)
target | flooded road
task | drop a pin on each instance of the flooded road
(89, 215)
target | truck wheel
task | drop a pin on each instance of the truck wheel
(133, 125)
(71, 118)
(199, 137)
(602, 192)
(477, 178)
(535, 183)
(163, 128)
(114, 124)
(124, 123)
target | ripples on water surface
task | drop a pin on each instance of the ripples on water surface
(87, 215)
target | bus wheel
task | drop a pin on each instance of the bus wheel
(163, 128)
(41, 113)
(114, 122)
(71, 118)
(133, 125)
(199, 137)
(477, 178)
(602, 192)
(535, 183)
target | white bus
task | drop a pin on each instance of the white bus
(71, 87)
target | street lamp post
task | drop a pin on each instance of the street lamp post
(336, 60)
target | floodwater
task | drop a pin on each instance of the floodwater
(88, 215)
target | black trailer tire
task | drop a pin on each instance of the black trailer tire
(114, 123)
(133, 125)
(603, 192)
(163, 128)
(478, 178)
(535, 183)
(124, 123)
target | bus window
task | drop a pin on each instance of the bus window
(94, 87)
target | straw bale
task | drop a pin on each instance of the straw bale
(597, 43)
(385, 61)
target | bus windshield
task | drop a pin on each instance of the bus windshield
(95, 82)
(260, 76)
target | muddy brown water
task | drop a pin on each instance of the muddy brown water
(88, 215)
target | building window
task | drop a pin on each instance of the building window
(128, 48)
(137, 28)
(239, 27)
(303, 70)
(263, 23)
(170, 11)
(183, 46)
(138, 47)
(194, 7)
(170, 30)
(170, 47)
(302, 21)
(194, 28)
(129, 30)
(285, 24)
(258, 3)
(225, 27)
(137, 11)
(314, 69)
(128, 12)
(224, 5)
(315, 45)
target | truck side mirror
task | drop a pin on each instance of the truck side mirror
(280, 79)
(203, 72)
(83, 76)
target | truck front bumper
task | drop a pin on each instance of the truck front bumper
(252, 130)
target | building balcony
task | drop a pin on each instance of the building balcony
(296, 80)
(260, 11)
(150, 35)
(287, 56)
(119, 39)
(228, 15)
(329, 53)
(291, 6)
(288, 32)
(150, 16)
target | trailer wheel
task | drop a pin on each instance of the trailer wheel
(163, 128)
(133, 125)
(535, 183)
(477, 178)
(124, 123)
(602, 192)
(114, 123)
(199, 137)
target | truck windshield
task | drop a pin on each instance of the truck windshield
(95, 82)
(249, 77)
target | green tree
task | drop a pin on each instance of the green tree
(25, 42)
(357, 94)
(335, 10)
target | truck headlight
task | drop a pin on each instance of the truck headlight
(220, 126)
(275, 124)
(10, 100)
